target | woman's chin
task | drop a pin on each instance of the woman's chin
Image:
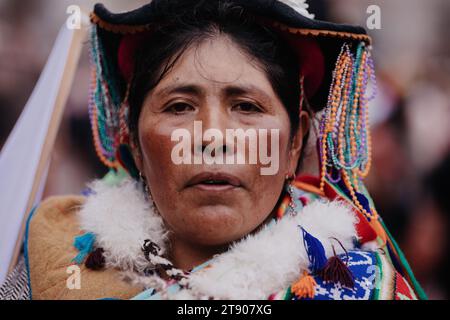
(212, 225)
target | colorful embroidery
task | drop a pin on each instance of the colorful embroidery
(363, 267)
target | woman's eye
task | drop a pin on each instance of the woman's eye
(179, 108)
(247, 107)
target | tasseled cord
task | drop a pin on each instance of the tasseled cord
(315, 251)
(305, 286)
(85, 245)
(333, 270)
(337, 271)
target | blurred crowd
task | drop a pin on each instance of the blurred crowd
(410, 178)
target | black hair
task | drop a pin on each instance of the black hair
(184, 27)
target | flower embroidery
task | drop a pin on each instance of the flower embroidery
(300, 6)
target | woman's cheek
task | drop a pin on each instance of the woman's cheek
(156, 148)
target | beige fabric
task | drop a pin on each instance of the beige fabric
(50, 249)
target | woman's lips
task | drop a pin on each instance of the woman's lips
(214, 181)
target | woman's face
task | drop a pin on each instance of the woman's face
(219, 86)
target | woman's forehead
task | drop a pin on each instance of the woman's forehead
(216, 63)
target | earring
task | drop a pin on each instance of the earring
(290, 189)
(290, 178)
(144, 184)
(148, 194)
(302, 93)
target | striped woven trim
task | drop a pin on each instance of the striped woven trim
(16, 286)
(408, 273)
(399, 295)
(385, 281)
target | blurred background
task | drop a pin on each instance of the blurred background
(410, 179)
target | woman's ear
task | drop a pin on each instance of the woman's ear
(297, 143)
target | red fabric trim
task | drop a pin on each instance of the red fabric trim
(312, 61)
(127, 50)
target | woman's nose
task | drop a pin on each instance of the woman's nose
(213, 122)
(213, 117)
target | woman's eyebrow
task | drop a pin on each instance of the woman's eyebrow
(237, 90)
(181, 88)
(231, 90)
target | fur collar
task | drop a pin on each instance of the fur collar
(253, 268)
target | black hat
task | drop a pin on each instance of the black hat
(289, 17)
(283, 13)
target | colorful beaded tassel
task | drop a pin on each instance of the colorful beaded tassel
(107, 107)
(344, 142)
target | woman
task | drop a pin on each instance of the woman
(203, 111)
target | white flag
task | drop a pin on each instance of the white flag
(25, 156)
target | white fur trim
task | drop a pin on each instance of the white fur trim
(326, 220)
(253, 268)
(122, 220)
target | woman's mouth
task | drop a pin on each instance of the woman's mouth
(214, 181)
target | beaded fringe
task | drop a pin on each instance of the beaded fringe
(108, 110)
(344, 141)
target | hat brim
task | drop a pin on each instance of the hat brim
(282, 16)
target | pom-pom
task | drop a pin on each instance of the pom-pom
(305, 287)
(95, 260)
(337, 272)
